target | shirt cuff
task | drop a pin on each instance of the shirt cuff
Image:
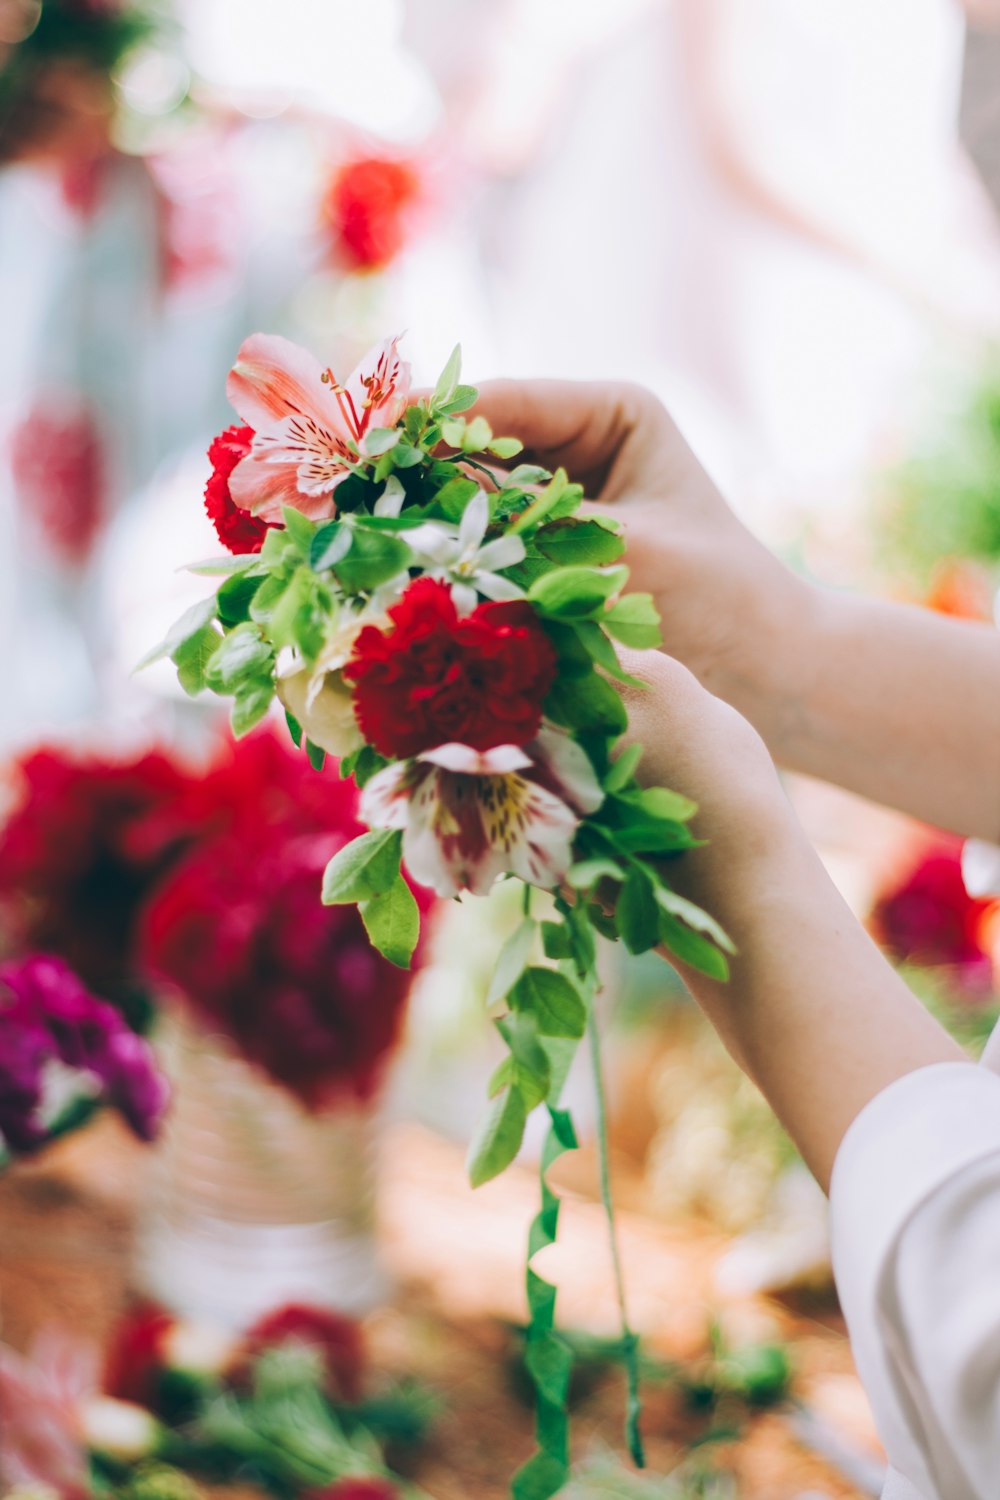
(909, 1140)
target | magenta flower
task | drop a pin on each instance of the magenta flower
(49, 1020)
(307, 426)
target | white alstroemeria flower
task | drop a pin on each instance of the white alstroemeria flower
(317, 696)
(459, 556)
(469, 816)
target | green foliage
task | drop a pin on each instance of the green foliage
(392, 921)
(368, 866)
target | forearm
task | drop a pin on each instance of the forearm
(896, 703)
(812, 1011)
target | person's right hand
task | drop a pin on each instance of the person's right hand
(731, 612)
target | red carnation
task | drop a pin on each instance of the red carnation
(369, 209)
(237, 528)
(336, 1338)
(435, 678)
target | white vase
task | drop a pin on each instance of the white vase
(253, 1201)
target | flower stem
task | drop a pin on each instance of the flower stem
(630, 1341)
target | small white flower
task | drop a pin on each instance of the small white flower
(119, 1429)
(460, 557)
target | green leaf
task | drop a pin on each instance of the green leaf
(220, 567)
(623, 769)
(499, 1138)
(316, 755)
(243, 656)
(582, 543)
(448, 379)
(380, 439)
(527, 474)
(478, 434)
(511, 962)
(367, 765)
(575, 593)
(553, 1001)
(600, 650)
(454, 495)
(545, 504)
(192, 657)
(192, 621)
(294, 729)
(252, 701)
(693, 916)
(330, 545)
(693, 949)
(659, 802)
(374, 558)
(587, 872)
(637, 913)
(464, 397)
(587, 703)
(505, 447)
(453, 432)
(392, 921)
(509, 1073)
(556, 940)
(634, 621)
(363, 868)
(236, 595)
(405, 456)
(299, 528)
(529, 1066)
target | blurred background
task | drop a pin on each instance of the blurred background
(782, 217)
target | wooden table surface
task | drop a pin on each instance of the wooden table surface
(65, 1232)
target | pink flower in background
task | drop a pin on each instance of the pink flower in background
(929, 917)
(41, 1400)
(305, 422)
(58, 469)
(356, 1487)
(470, 816)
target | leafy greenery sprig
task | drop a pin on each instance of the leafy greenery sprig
(287, 602)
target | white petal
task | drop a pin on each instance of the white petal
(472, 528)
(324, 707)
(566, 766)
(465, 761)
(433, 541)
(529, 829)
(385, 800)
(502, 552)
(390, 502)
(465, 598)
(492, 586)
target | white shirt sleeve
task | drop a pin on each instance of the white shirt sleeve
(915, 1219)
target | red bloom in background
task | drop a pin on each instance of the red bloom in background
(356, 1487)
(137, 1354)
(84, 843)
(370, 208)
(930, 918)
(338, 1339)
(58, 468)
(435, 678)
(238, 928)
(237, 529)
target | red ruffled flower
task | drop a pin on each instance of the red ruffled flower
(237, 529)
(238, 928)
(435, 678)
(369, 209)
(336, 1338)
(930, 918)
(59, 473)
(84, 843)
(137, 1355)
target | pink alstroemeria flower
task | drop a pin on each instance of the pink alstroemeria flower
(469, 816)
(305, 422)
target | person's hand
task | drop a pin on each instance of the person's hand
(731, 611)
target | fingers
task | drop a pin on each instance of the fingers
(581, 426)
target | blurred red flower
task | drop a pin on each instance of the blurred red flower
(930, 918)
(336, 1338)
(369, 210)
(356, 1487)
(136, 1355)
(58, 469)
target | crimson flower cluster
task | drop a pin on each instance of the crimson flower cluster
(930, 918)
(436, 678)
(369, 210)
(236, 528)
(46, 1018)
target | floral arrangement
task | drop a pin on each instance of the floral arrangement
(445, 625)
(138, 872)
(289, 1406)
